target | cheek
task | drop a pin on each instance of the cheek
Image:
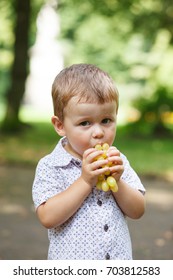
(110, 134)
(82, 141)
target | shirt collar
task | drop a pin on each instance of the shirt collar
(61, 157)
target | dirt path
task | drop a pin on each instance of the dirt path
(22, 237)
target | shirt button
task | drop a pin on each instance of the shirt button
(107, 257)
(99, 202)
(106, 227)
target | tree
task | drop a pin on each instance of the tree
(19, 69)
(118, 36)
(153, 112)
(132, 40)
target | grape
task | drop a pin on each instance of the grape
(111, 181)
(114, 188)
(104, 186)
(105, 146)
(101, 177)
(99, 158)
(107, 173)
(98, 147)
(105, 181)
(99, 185)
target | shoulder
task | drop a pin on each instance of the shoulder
(130, 176)
(124, 158)
(50, 159)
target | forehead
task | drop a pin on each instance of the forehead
(75, 100)
(78, 107)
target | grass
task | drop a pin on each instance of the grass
(146, 155)
(28, 147)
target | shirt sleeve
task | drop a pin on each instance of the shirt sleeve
(47, 182)
(130, 176)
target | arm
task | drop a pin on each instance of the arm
(62, 206)
(130, 200)
(57, 209)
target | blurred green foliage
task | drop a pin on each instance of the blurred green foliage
(130, 39)
(154, 112)
(146, 155)
(121, 36)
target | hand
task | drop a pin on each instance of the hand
(117, 167)
(91, 168)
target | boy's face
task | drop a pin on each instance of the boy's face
(88, 124)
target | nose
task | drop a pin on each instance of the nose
(98, 132)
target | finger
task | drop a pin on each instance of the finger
(112, 148)
(100, 164)
(115, 160)
(100, 171)
(88, 151)
(93, 155)
(113, 152)
(116, 169)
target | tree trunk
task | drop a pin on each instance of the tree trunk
(19, 69)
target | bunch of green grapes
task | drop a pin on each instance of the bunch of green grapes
(105, 181)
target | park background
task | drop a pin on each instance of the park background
(130, 39)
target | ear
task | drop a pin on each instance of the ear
(58, 125)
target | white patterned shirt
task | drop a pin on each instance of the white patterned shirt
(98, 230)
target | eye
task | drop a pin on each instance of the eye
(105, 121)
(85, 123)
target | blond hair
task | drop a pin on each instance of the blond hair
(85, 81)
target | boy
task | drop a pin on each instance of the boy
(84, 222)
